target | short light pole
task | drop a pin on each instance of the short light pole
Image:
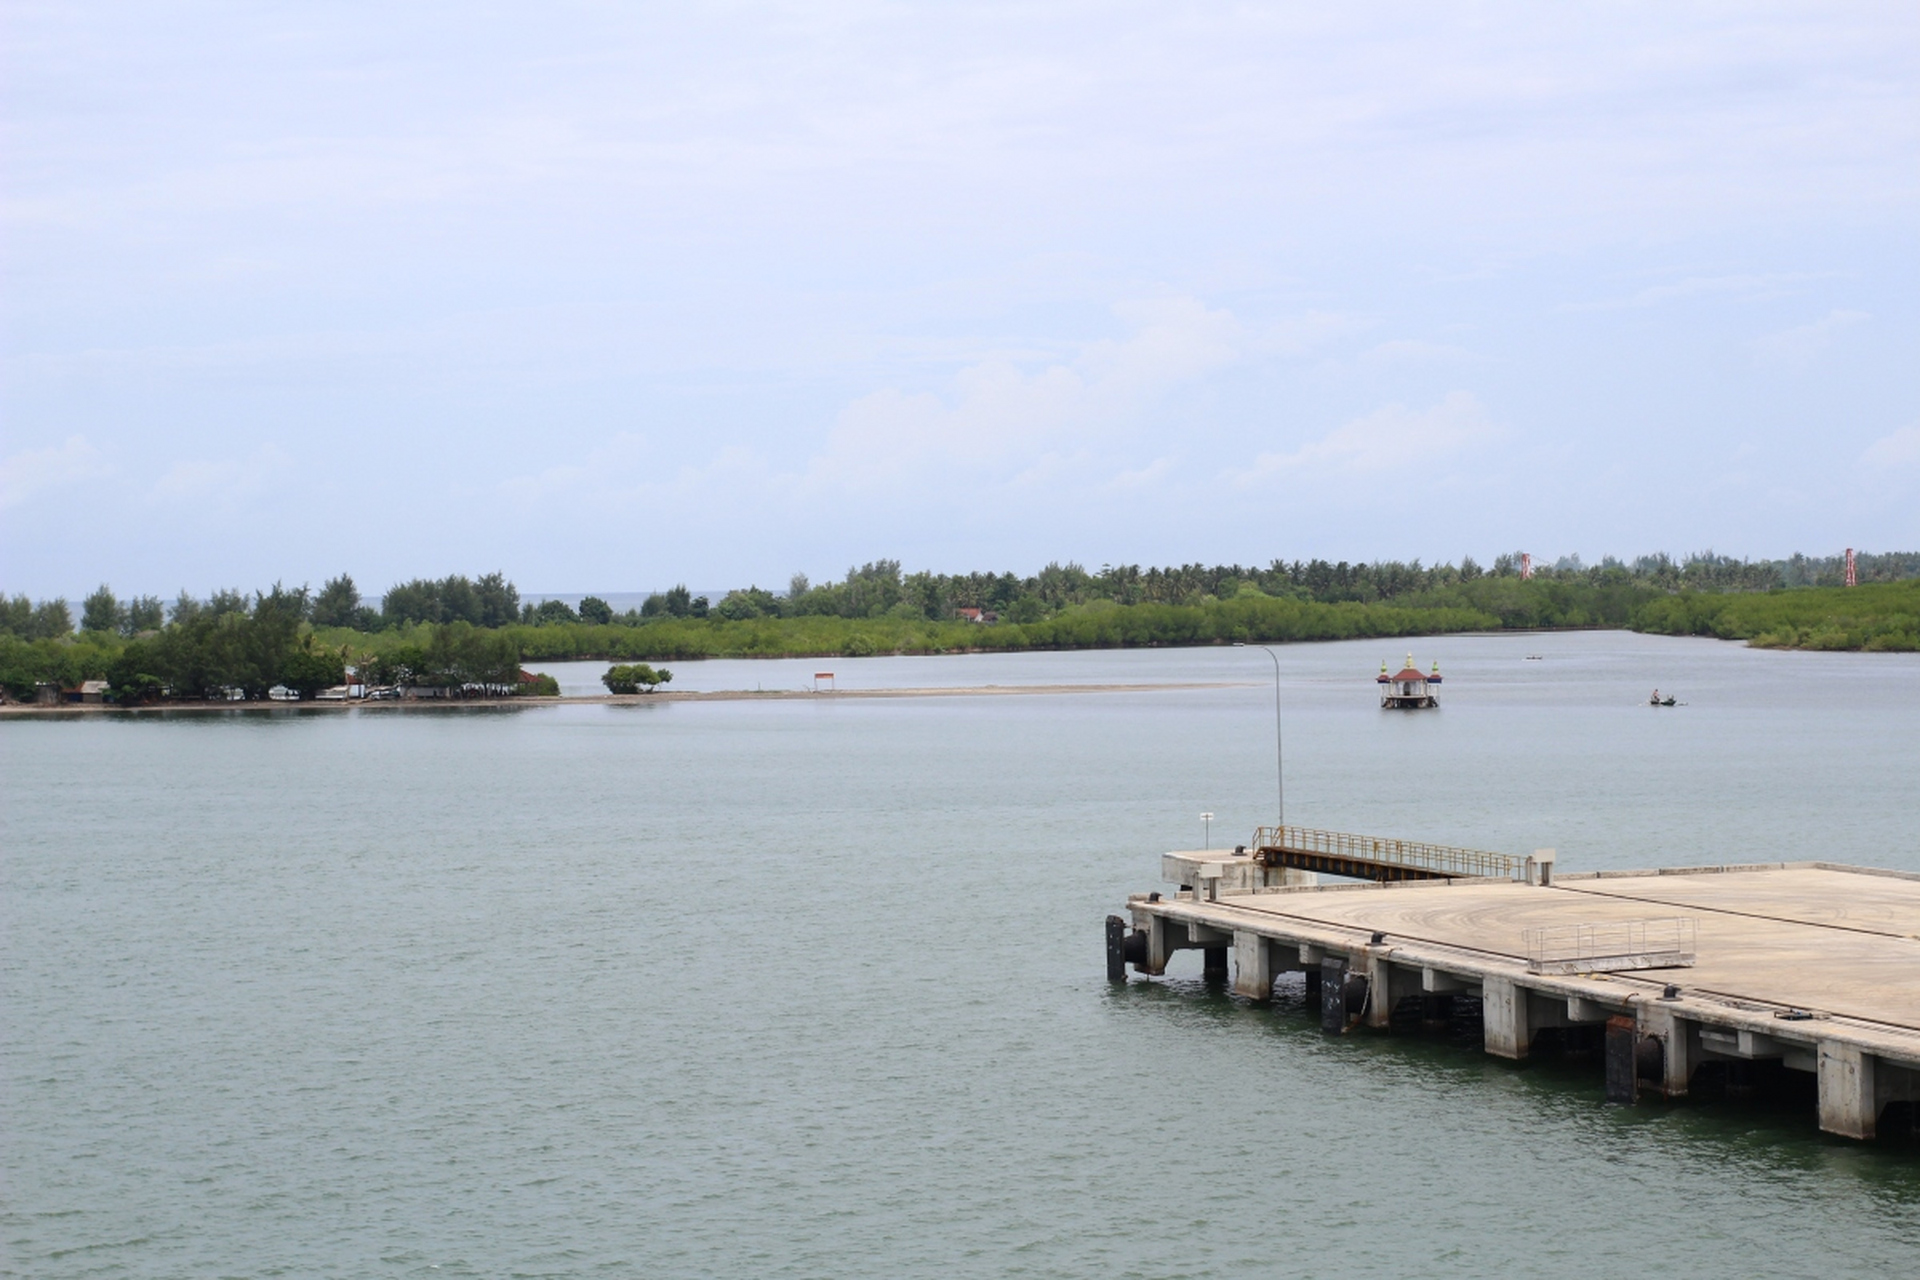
(1206, 829)
(1279, 762)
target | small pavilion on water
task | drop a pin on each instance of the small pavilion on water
(1410, 688)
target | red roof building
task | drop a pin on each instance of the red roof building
(1409, 688)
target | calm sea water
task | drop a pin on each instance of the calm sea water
(816, 988)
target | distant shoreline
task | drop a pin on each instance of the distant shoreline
(23, 710)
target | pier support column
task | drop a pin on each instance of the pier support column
(1379, 973)
(1677, 1043)
(1847, 1095)
(1216, 964)
(1252, 966)
(1162, 937)
(1503, 1007)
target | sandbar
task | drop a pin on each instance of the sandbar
(21, 709)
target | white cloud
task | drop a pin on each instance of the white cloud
(1738, 286)
(1000, 423)
(997, 414)
(35, 471)
(1145, 477)
(219, 482)
(1897, 449)
(1412, 351)
(623, 471)
(538, 485)
(1299, 335)
(618, 460)
(1797, 348)
(1388, 439)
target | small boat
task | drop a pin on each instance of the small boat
(1657, 701)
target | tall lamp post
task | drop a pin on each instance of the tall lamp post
(1279, 764)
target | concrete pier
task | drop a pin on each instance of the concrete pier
(1810, 966)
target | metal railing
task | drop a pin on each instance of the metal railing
(1437, 859)
(1612, 946)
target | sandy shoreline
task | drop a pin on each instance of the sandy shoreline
(29, 710)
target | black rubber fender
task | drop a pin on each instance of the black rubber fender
(1354, 995)
(1650, 1060)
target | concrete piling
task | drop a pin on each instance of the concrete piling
(1799, 968)
(1253, 970)
(1848, 1102)
(1215, 969)
(1503, 1013)
(1677, 1052)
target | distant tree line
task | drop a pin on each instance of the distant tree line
(487, 601)
(880, 589)
(235, 647)
(452, 656)
(1875, 616)
(48, 620)
(461, 633)
(227, 646)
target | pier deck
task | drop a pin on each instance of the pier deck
(1814, 966)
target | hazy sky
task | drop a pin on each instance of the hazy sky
(613, 295)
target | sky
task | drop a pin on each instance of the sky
(612, 296)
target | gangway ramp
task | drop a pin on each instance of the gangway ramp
(1379, 858)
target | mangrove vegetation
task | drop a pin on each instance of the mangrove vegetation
(472, 635)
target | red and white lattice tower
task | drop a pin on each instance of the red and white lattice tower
(1853, 574)
(1526, 564)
